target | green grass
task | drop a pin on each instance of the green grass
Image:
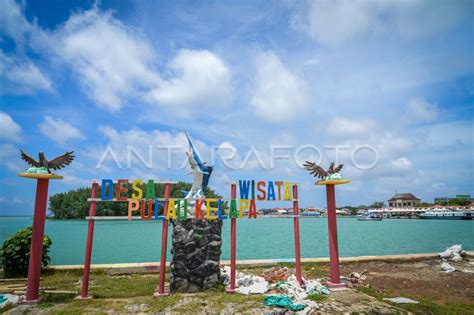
(316, 297)
(104, 286)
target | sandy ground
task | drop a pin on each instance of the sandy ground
(422, 279)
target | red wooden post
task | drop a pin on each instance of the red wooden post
(296, 223)
(164, 243)
(90, 238)
(332, 230)
(233, 242)
(36, 248)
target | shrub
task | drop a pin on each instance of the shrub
(15, 253)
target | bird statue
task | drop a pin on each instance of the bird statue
(43, 165)
(318, 172)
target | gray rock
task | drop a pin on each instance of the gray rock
(196, 251)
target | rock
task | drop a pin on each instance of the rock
(136, 308)
(196, 251)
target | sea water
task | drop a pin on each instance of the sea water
(262, 238)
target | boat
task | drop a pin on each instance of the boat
(446, 215)
(370, 216)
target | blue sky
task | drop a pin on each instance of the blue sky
(242, 78)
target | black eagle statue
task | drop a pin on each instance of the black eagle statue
(55, 164)
(319, 172)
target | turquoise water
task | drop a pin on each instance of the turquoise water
(270, 238)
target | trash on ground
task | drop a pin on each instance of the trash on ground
(282, 301)
(276, 274)
(446, 267)
(453, 253)
(6, 299)
(245, 283)
(401, 300)
(358, 278)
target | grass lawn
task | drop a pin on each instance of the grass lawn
(133, 293)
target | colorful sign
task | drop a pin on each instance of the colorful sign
(143, 198)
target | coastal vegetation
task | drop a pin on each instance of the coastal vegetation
(15, 253)
(73, 204)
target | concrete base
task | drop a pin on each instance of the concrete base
(229, 290)
(31, 302)
(158, 294)
(332, 285)
(89, 297)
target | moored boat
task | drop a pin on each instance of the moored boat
(446, 215)
(370, 216)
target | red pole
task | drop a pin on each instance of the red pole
(36, 248)
(90, 238)
(332, 230)
(233, 242)
(296, 223)
(164, 243)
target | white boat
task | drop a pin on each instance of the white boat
(371, 216)
(446, 215)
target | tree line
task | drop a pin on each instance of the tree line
(73, 204)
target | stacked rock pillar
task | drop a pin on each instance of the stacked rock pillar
(196, 251)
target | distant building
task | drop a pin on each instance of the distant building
(458, 197)
(403, 200)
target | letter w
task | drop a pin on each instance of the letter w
(244, 187)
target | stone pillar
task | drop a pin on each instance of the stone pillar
(196, 252)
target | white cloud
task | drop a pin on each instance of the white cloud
(12, 21)
(402, 163)
(199, 79)
(341, 21)
(420, 110)
(278, 94)
(10, 158)
(58, 130)
(341, 126)
(9, 129)
(20, 76)
(111, 60)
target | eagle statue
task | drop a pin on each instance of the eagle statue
(43, 165)
(317, 171)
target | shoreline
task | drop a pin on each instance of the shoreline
(154, 266)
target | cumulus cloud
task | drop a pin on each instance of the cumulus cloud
(336, 22)
(278, 94)
(20, 76)
(142, 150)
(9, 129)
(401, 163)
(9, 158)
(341, 126)
(420, 110)
(198, 78)
(111, 60)
(58, 130)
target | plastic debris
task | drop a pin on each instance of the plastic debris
(314, 286)
(401, 300)
(453, 253)
(256, 284)
(6, 299)
(446, 267)
(358, 278)
(245, 283)
(276, 274)
(282, 301)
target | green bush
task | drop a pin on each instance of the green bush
(15, 253)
